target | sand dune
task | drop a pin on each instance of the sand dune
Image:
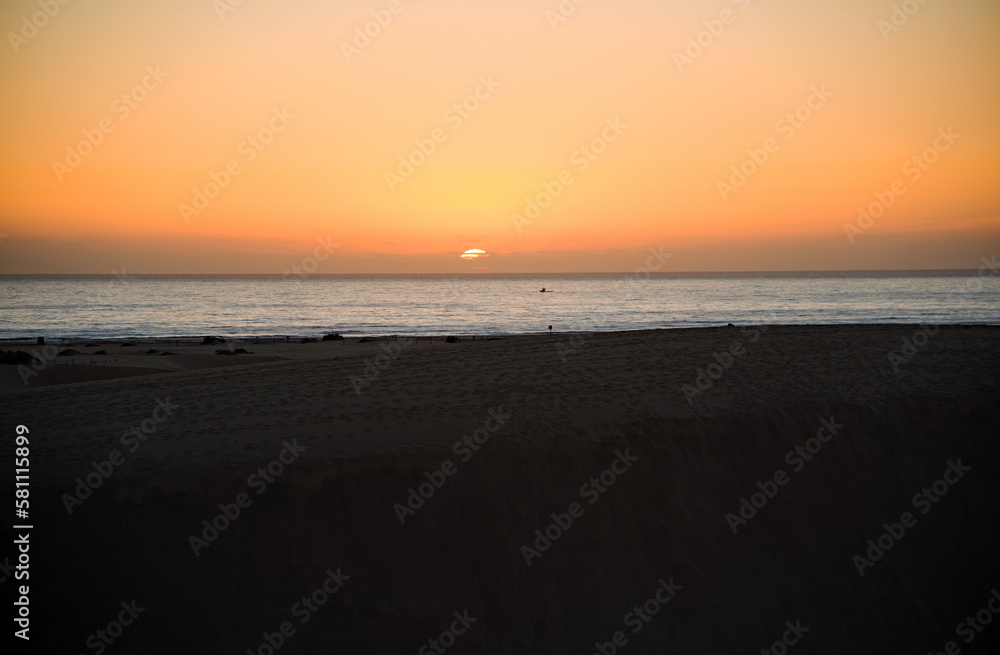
(568, 409)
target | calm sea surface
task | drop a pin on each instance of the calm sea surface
(77, 306)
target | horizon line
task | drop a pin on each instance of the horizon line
(467, 274)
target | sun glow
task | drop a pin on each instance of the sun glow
(190, 148)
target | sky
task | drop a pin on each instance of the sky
(228, 136)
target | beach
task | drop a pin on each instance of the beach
(501, 328)
(524, 494)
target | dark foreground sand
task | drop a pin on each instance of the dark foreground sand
(557, 411)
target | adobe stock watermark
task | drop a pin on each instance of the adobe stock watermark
(454, 117)
(571, 345)
(562, 12)
(639, 617)
(310, 263)
(130, 440)
(922, 500)
(114, 289)
(229, 512)
(654, 262)
(41, 359)
(581, 160)
(592, 490)
(697, 44)
(914, 169)
(452, 290)
(23, 603)
(991, 265)
(796, 458)
(704, 379)
(304, 609)
(122, 107)
(970, 627)
(224, 7)
(447, 638)
(295, 275)
(912, 346)
(365, 34)
(786, 127)
(899, 17)
(101, 639)
(790, 637)
(5, 570)
(464, 449)
(249, 148)
(38, 20)
(374, 368)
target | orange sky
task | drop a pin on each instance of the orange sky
(313, 121)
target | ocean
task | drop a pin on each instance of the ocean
(122, 306)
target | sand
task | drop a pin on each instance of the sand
(553, 412)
